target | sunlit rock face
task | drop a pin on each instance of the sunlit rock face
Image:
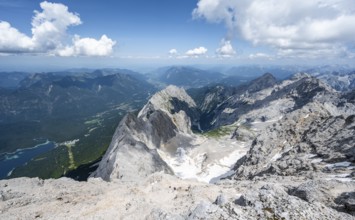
(255, 118)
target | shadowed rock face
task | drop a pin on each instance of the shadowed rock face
(127, 158)
(265, 81)
(132, 154)
(163, 127)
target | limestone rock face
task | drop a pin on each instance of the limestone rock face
(304, 142)
(132, 154)
(128, 158)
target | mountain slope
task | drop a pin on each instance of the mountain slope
(274, 150)
(343, 82)
(165, 122)
(133, 152)
(44, 95)
(11, 80)
(64, 108)
(220, 105)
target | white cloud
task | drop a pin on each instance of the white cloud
(49, 26)
(88, 47)
(196, 52)
(226, 49)
(11, 40)
(288, 25)
(49, 33)
(173, 52)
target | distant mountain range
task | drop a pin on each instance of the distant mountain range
(87, 104)
(186, 76)
(191, 77)
(63, 107)
(340, 81)
(49, 95)
(11, 79)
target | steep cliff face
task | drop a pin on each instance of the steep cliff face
(132, 154)
(129, 157)
(219, 106)
(160, 139)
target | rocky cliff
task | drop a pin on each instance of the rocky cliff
(133, 153)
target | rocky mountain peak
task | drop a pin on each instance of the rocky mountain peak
(300, 75)
(167, 115)
(177, 104)
(163, 100)
(265, 81)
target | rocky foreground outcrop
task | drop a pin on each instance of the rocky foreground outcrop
(291, 144)
(162, 196)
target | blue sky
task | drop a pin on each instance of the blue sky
(82, 33)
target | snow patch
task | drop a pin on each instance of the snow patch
(276, 157)
(340, 164)
(207, 161)
(70, 143)
(9, 173)
(49, 89)
(317, 160)
(340, 177)
(228, 110)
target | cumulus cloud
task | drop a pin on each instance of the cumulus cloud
(88, 47)
(49, 33)
(226, 49)
(173, 52)
(300, 26)
(196, 52)
(11, 40)
(49, 26)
